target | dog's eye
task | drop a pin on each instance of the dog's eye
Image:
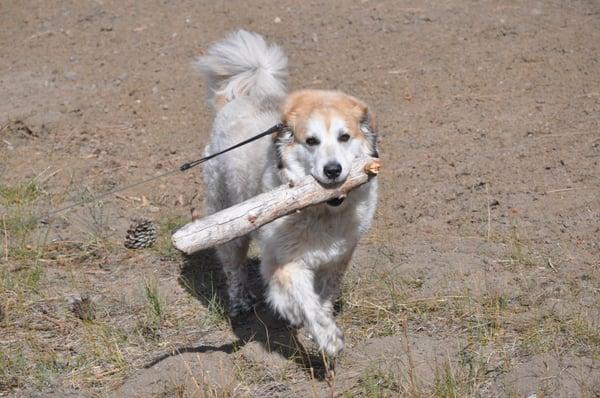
(312, 141)
(344, 137)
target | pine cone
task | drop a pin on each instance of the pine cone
(141, 233)
(82, 307)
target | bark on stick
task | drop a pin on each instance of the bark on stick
(247, 216)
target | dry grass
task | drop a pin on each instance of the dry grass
(140, 315)
(376, 382)
(163, 246)
(43, 344)
(493, 335)
(519, 251)
(577, 333)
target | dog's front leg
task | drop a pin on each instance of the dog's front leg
(291, 292)
(233, 258)
(330, 277)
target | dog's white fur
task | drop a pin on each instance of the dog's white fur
(304, 255)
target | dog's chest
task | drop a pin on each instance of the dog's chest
(316, 238)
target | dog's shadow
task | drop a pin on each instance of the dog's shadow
(202, 276)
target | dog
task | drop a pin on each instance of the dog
(304, 254)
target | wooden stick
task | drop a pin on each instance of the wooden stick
(245, 217)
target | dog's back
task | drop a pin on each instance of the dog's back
(246, 82)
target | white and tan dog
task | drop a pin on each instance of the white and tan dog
(304, 255)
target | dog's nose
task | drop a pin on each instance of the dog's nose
(332, 170)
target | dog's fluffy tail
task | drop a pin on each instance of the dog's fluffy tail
(243, 64)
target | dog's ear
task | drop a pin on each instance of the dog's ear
(368, 127)
(295, 105)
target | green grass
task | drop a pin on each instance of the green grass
(37, 359)
(216, 312)
(202, 285)
(25, 279)
(518, 252)
(13, 368)
(103, 346)
(19, 195)
(155, 301)
(446, 384)
(150, 323)
(376, 382)
(460, 378)
(17, 220)
(576, 333)
(163, 246)
(22, 281)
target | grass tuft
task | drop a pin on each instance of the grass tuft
(155, 302)
(445, 382)
(19, 195)
(163, 247)
(17, 203)
(375, 383)
(216, 312)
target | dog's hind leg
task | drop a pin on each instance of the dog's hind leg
(233, 258)
(291, 293)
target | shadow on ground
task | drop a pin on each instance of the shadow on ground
(202, 276)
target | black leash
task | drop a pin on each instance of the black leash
(189, 165)
(184, 167)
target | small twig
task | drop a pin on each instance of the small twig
(38, 35)
(312, 382)
(398, 71)
(49, 176)
(124, 198)
(551, 265)
(564, 190)
(329, 368)
(368, 304)
(441, 299)
(108, 372)
(411, 364)
(56, 322)
(266, 329)
(187, 367)
(510, 261)
(588, 95)
(5, 238)
(566, 134)
(489, 213)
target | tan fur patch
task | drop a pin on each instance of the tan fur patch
(220, 101)
(282, 276)
(301, 105)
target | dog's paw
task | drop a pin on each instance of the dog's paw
(243, 305)
(330, 341)
(334, 343)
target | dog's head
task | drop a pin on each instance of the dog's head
(325, 131)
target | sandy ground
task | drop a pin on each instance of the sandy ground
(480, 276)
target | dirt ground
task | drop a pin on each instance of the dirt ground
(479, 277)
